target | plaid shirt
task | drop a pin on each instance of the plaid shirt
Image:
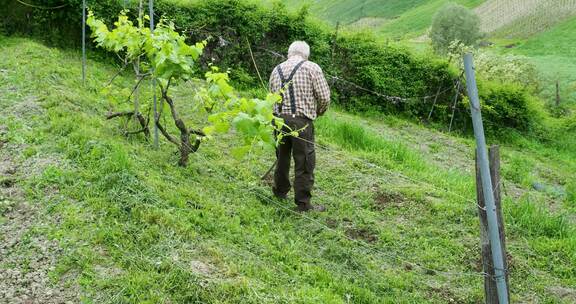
(311, 91)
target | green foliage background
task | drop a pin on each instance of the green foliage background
(231, 26)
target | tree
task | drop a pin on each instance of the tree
(454, 22)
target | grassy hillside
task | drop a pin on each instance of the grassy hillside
(125, 225)
(411, 18)
(543, 30)
(553, 53)
(392, 18)
(523, 18)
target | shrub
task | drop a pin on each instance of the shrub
(506, 106)
(502, 68)
(393, 71)
(454, 22)
(55, 26)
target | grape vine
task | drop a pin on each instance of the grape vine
(165, 56)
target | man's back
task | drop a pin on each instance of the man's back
(311, 91)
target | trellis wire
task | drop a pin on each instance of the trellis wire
(255, 65)
(84, 42)
(393, 99)
(42, 7)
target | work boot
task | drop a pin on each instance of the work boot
(309, 207)
(281, 197)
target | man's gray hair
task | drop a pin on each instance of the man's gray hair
(299, 48)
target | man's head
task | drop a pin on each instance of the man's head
(299, 48)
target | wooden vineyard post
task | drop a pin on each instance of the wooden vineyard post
(155, 100)
(490, 290)
(83, 42)
(557, 93)
(335, 41)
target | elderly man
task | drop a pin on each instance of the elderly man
(305, 96)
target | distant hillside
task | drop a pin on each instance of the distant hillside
(349, 11)
(553, 53)
(411, 18)
(393, 18)
(523, 18)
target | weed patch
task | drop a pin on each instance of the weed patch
(529, 218)
(354, 137)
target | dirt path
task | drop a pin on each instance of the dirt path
(27, 256)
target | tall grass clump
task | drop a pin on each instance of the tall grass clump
(571, 193)
(526, 217)
(354, 137)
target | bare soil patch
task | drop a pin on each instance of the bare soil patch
(364, 234)
(386, 199)
(27, 255)
(28, 107)
(564, 293)
(201, 268)
(445, 294)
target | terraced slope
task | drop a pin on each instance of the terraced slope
(523, 18)
(394, 18)
(553, 52)
(410, 18)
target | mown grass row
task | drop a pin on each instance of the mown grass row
(138, 229)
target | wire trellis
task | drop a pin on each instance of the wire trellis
(42, 7)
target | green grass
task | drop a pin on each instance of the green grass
(553, 54)
(400, 19)
(557, 41)
(138, 229)
(416, 21)
(349, 11)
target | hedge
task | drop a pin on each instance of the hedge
(231, 25)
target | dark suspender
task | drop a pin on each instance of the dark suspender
(290, 86)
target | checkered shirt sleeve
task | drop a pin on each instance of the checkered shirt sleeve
(311, 90)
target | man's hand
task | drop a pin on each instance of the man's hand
(321, 110)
